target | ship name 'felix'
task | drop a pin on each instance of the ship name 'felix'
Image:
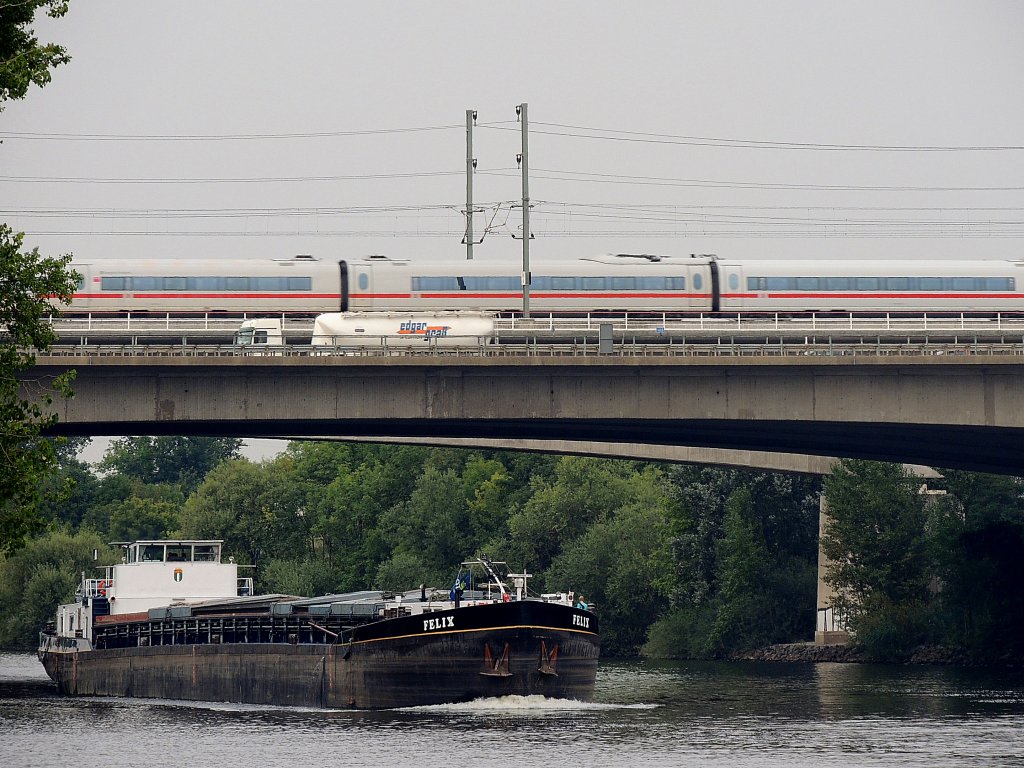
(444, 622)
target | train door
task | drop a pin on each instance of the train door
(344, 300)
(83, 288)
(732, 295)
(702, 289)
(356, 287)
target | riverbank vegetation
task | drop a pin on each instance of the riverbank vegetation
(679, 561)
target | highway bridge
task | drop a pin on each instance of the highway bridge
(955, 405)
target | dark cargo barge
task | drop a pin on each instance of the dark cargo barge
(361, 650)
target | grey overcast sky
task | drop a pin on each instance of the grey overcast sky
(655, 126)
(254, 129)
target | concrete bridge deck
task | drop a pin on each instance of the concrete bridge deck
(961, 411)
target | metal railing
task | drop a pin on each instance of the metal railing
(716, 347)
(655, 323)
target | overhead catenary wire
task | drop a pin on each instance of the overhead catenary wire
(609, 178)
(612, 134)
(40, 136)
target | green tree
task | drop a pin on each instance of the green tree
(977, 534)
(255, 508)
(432, 524)
(618, 561)
(24, 61)
(561, 508)
(743, 555)
(876, 540)
(68, 493)
(182, 460)
(28, 282)
(39, 577)
(124, 509)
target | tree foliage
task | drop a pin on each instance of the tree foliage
(875, 537)
(183, 461)
(677, 561)
(43, 574)
(27, 282)
(24, 61)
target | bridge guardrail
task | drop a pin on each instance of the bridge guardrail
(534, 348)
(664, 324)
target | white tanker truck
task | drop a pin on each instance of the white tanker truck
(344, 331)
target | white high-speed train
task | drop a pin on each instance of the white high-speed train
(617, 282)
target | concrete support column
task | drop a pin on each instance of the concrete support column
(830, 628)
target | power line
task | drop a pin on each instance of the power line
(34, 136)
(608, 178)
(818, 233)
(216, 180)
(611, 134)
(543, 173)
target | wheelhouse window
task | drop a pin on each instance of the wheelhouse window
(180, 553)
(152, 553)
(206, 553)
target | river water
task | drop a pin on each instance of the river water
(644, 714)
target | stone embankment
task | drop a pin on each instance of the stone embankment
(805, 652)
(811, 653)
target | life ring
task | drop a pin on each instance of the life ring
(101, 588)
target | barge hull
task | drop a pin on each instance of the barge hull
(398, 668)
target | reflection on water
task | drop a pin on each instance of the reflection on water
(644, 713)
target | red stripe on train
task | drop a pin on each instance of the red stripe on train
(888, 295)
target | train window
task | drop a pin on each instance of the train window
(81, 284)
(114, 283)
(541, 283)
(698, 282)
(268, 283)
(963, 284)
(594, 283)
(678, 283)
(435, 284)
(503, 283)
(837, 283)
(364, 281)
(867, 283)
(175, 283)
(236, 283)
(779, 283)
(140, 283)
(301, 283)
(623, 283)
(563, 283)
(654, 283)
(203, 283)
(897, 283)
(807, 283)
(734, 281)
(998, 283)
(757, 283)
